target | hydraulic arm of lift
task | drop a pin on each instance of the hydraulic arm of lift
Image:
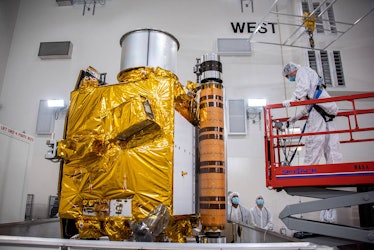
(321, 181)
(341, 200)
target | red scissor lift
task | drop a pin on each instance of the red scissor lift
(355, 127)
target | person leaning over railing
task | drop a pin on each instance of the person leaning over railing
(320, 116)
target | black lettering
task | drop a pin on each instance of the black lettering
(361, 167)
(250, 26)
(237, 26)
(272, 27)
(263, 28)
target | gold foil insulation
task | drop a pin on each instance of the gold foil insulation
(180, 227)
(118, 151)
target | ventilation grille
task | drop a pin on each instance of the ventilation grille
(233, 47)
(331, 16)
(339, 68)
(327, 64)
(237, 117)
(55, 50)
(326, 72)
(64, 2)
(312, 60)
(319, 23)
(325, 22)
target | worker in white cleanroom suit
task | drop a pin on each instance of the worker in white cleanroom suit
(261, 216)
(320, 117)
(238, 215)
(328, 215)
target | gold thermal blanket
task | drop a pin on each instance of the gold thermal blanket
(118, 150)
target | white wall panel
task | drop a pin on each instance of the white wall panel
(15, 151)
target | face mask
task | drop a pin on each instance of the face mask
(260, 202)
(292, 78)
(235, 200)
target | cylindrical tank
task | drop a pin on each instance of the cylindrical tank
(212, 150)
(211, 68)
(149, 48)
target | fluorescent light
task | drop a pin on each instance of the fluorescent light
(256, 102)
(56, 103)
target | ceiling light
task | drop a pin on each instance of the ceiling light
(256, 102)
(56, 103)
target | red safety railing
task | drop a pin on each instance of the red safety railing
(280, 141)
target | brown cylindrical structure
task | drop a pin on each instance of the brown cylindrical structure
(212, 147)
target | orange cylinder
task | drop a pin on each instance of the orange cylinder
(212, 158)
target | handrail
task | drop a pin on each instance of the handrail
(275, 140)
(47, 243)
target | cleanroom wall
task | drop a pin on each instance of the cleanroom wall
(197, 25)
(8, 16)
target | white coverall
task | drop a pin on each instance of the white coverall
(262, 218)
(241, 216)
(316, 145)
(328, 215)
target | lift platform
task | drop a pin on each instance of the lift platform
(355, 128)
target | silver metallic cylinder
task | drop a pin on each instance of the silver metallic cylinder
(149, 48)
(211, 68)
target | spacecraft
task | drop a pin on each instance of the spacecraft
(143, 159)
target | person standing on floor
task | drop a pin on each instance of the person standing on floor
(237, 213)
(239, 216)
(261, 216)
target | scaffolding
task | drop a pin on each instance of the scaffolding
(299, 25)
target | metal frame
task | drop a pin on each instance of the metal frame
(300, 26)
(342, 199)
(314, 180)
(64, 244)
(342, 174)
